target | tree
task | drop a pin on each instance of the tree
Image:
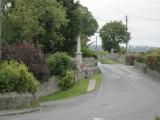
(71, 30)
(113, 34)
(81, 22)
(52, 25)
(88, 26)
(36, 21)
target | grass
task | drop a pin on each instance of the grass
(157, 118)
(98, 80)
(78, 89)
(107, 61)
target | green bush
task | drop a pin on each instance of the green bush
(87, 52)
(157, 118)
(67, 81)
(58, 63)
(141, 57)
(14, 77)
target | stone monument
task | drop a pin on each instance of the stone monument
(79, 54)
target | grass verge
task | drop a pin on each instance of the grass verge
(107, 61)
(78, 89)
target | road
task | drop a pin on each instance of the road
(125, 94)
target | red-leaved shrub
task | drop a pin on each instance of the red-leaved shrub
(29, 55)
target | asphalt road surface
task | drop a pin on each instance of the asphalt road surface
(125, 94)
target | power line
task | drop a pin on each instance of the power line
(103, 20)
(100, 19)
(130, 14)
(156, 1)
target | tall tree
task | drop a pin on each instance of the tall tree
(113, 34)
(37, 21)
(53, 25)
(81, 22)
(88, 26)
(71, 30)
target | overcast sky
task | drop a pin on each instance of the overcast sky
(143, 15)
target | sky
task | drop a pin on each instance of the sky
(143, 18)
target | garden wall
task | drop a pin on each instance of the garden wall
(90, 62)
(89, 72)
(116, 57)
(143, 67)
(153, 73)
(12, 101)
(48, 87)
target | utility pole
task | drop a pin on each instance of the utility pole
(96, 44)
(126, 31)
(0, 29)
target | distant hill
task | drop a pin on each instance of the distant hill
(141, 48)
(131, 48)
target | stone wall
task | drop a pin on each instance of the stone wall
(143, 67)
(12, 101)
(48, 87)
(116, 57)
(89, 72)
(90, 62)
(153, 74)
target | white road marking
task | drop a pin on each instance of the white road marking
(99, 93)
(135, 77)
(98, 119)
(91, 85)
(135, 87)
(116, 76)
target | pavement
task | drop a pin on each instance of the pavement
(17, 112)
(125, 94)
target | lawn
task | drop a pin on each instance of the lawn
(78, 89)
(107, 61)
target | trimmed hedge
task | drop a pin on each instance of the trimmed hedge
(14, 77)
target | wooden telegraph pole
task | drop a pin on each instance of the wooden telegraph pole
(0, 29)
(126, 31)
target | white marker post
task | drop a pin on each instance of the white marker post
(98, 119)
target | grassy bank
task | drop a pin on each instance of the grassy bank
(107, 61)
(78, 89)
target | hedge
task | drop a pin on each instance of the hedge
(153, 62)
